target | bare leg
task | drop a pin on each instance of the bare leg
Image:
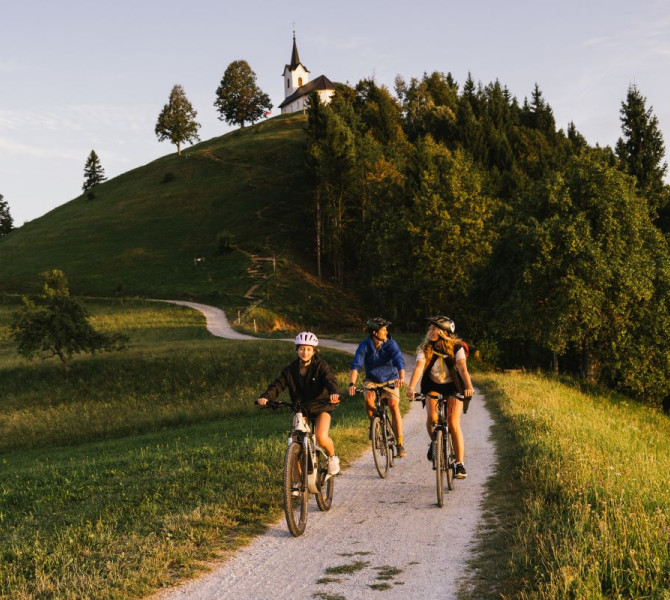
(321, 429)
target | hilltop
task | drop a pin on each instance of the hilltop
(191, 227)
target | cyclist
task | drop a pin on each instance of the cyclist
(384, 365)
(310, 381)
(441, 367)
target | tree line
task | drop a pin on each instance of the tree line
(546, 251)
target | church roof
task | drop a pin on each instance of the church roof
(320, 83)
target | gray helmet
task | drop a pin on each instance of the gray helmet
(376, 323)
(443, 323)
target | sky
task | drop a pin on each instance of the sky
(77, 75)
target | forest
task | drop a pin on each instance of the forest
(547, 252)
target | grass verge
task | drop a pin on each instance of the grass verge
(579, 506)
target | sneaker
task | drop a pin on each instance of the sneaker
(400, 451)
(333, 465)
(460, 472)
(429, 456)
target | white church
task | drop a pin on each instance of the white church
(298, 87)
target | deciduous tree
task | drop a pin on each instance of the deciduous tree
(176, 122)
(238, 99)
(57, 325)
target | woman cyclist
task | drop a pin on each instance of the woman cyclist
(441, 367)
(310, 382)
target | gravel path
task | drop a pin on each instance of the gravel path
(389, 538)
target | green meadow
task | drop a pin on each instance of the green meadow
(127, 473)
(580, 504)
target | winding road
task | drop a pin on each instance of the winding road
(383, 539)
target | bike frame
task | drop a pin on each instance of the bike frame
(301, 433)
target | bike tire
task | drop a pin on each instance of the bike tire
(390, 440)
(379, 448)
(438, 454)
(295, 490)
(324, 498)
(450, 459)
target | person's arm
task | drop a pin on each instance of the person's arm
(353, 376)
(462, 368)
(275, 388)
(330, 383)
(356, 365)
(416, 375)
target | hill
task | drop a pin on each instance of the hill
(190, 227)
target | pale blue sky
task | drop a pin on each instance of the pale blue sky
(78, 75)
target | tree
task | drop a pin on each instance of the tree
(93, 172)
(176, 122)
(641, 148)
(6, 221)
(57, 325)
(238, 98)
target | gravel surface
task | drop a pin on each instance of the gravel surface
(383, 539)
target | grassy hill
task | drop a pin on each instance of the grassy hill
(144, 230)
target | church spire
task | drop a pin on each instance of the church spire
(295, 59)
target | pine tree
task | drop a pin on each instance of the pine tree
(6, 221)
(238, 98)
(641, 148)
(176, 122)
(93, 172)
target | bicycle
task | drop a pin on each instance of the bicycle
(305, 471)
(381, 433)
(444, 457)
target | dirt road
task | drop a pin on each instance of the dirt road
(382, 539)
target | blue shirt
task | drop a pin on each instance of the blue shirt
(381, 364)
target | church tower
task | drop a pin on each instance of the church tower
(295, 74)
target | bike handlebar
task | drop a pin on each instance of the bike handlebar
(360, 390)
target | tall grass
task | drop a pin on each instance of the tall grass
(125, 474)
(582, 493)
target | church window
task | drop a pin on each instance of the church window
(299, 81)
(288, 83)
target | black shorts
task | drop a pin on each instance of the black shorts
(314, 409)
(446, 389)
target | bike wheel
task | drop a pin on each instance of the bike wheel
(379, 448)
(390, 440)
(450, 459)
(295, 490)
(438, 454)
(324, 498)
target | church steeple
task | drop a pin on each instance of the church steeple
(295, 59)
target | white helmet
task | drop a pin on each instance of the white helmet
(306, 338)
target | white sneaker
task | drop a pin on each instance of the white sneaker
(333, 465)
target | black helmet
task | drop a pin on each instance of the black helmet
(443, 323)
(376, 324)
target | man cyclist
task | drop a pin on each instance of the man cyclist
(384, 365)
(310, 381)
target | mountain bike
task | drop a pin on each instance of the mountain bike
(381, 432)
(444, 457)
(305, 471)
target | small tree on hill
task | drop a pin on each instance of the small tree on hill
(57, 325)
(177, 120)
(238, 98)
(6, 221)
(93, 172)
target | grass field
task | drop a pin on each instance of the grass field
(127, 473)
(580, 505)
(155, 231)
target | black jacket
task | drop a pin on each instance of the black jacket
(313, 389)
